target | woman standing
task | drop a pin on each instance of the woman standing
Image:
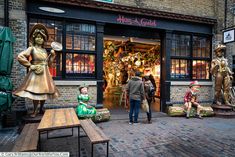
(148, 86)
(38, 84)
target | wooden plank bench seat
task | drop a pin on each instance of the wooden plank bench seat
(94, 133)
(28, 139)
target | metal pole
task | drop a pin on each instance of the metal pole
(107, 148)
(79, 149)
(225, 14)
(39, 140)
(6, 13)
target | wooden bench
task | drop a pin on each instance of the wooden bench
(94, 133)
(28, 139)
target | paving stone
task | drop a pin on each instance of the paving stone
(165, 137)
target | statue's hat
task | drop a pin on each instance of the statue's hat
(194, 83)
(219, 47)
(40, 28)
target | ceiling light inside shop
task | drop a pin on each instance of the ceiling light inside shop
(133, 39)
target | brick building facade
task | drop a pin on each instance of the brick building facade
(194, 12)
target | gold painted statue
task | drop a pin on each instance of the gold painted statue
(223, 77)
(38, 84)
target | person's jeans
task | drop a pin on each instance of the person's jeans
(134, 107)
(149, 114)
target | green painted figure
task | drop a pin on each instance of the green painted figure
(83, 109)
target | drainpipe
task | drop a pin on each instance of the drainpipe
(225, 14)
(6, 13)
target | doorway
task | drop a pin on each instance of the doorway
(121, 57)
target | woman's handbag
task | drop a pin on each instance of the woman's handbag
(145, 105)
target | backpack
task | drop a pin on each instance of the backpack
(151, 92)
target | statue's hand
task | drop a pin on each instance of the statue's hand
(231, 77)
(88, 106)
(33, 67)
(52, 52)
(38, 69)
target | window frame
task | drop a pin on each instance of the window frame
(190, 58)
(65, 22)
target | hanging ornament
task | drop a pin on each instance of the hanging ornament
(138, 62)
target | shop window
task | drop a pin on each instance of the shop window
(180, 45)
(78, 49)
(201, 47)
(80, 63)
(80, 37)
(179, 68)
(56, 70)
(190, 59)
(200, 69)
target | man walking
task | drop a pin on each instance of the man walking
(135, 91)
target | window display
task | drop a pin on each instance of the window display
(80, 63)
(179, 68)
(190, 65)
(122, 56)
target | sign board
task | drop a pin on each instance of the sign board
(136, 21)
(107, 1)
(228, 36)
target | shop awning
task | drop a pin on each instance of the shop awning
(6, 50)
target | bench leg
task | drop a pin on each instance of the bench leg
(92, 145)
(79, 141)
(39, 141)
(107, 149)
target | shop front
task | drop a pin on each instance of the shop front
(126, 50)
(102, 47)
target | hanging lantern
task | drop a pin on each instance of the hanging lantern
(138, 63)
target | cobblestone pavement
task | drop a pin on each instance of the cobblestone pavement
(7, 138)
(165, 137)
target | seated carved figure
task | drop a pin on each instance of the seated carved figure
(83, 109)
(190, 99)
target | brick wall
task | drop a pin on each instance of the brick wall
(230, 15)
(69, 95)
(203, 8)
(18, 24)
(219, 15)
(1, 13)
(230, 24)
(177, 93)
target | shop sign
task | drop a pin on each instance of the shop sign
(228, 36)
(136, 21)
(108, 1)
